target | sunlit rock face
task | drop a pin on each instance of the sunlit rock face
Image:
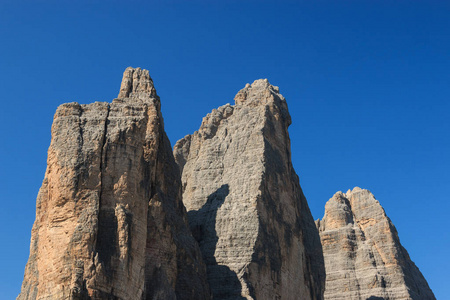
(110, 223)
(363, 255)
(245, 204)
(111, 219)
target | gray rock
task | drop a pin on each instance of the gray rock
(363, 255)
(110, 223)
(245, 205)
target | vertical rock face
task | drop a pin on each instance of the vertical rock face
(110, 223)
(245, 205)
(363, 255)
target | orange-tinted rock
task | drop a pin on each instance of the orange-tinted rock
(110, 223)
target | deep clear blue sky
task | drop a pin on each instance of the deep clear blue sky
(367, 84)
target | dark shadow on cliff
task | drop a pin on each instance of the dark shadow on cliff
(224, 282)
(375, 298)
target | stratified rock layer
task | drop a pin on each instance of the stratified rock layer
(245, 205)
(110, 223)
(363, 255)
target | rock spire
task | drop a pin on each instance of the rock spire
(120, 216)
(245, 204)
(110, 223)
(363, 255)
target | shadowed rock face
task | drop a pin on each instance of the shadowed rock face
(363, 255)
(110, 223)
(244, 201)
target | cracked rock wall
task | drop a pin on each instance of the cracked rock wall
(363, 255)
(245, 205)
(110, 223)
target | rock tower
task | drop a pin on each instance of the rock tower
(363, 255)
(120, 216)
(110, 223)
(245, 204)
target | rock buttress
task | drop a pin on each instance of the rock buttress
(245, 205)
(363, 255)
(110, 223)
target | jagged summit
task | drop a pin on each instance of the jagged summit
(363, 255)
(245, 204)
(110, 223)
(136, 83)
(261, 92)
(258, 94)
(356, 189)
(258, 90)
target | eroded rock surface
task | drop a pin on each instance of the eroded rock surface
(245, 205)
(110, 223)
(363, 255)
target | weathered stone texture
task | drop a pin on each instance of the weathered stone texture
(245, 205)
(110, 223)
(363, 255)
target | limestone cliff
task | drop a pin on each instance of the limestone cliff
(245, 205)
(363, 255)
(110, 223)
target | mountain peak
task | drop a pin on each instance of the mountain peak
(364, 258)
(260, 91)
(136, 82)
